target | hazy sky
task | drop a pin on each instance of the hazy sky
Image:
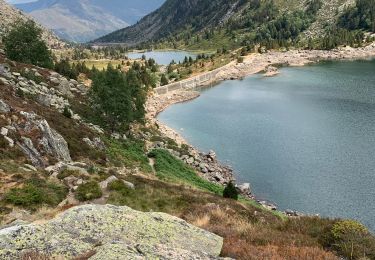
(19, 1)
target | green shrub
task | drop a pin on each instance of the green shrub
(92, 169)
(67, 112)
(30, 75)
(88, 191)
(65, 173)
(64, 67)
(230, 191)
(117, 186)
(36, 192)
(3, 143)
(353, 240)
(120, 187)
(19, 93)
(28, 195)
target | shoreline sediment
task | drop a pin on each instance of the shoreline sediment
(166, 96)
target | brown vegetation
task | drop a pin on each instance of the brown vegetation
(249, 232)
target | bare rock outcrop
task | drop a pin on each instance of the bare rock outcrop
(32, 153)
(53, 142)
(36, 138)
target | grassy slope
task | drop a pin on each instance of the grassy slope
(249, 232)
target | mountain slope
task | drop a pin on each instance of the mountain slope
(9, 15)
(83, 20)
(173, 16)
(190, 16)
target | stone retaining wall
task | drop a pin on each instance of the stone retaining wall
(191, 83)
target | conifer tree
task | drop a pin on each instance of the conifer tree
(24, 44)
(163, 80)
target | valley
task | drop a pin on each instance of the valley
(85, 20)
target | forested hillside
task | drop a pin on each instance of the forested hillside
(235, 23)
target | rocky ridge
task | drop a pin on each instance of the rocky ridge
(10, 15)
(110, 232)
(41, 143)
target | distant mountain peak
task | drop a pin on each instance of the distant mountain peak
(84, 20)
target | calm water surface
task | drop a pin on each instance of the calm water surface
(162, 57)
(304, 139)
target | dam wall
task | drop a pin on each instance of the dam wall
(192, 83)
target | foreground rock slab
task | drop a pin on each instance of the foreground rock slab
(111, 232)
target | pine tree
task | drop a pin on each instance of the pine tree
(163, 81)
(118, 98)
(24, 44)
(230, 191)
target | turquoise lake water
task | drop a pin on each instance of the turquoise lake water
(163, 57)
(304, 139)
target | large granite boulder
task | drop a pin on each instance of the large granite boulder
(112, 233)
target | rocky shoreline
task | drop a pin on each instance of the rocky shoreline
(252, 64)
(256, 63)
(206, 164)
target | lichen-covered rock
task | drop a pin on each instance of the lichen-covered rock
(117, 250)
(113, 233)
(4, 108)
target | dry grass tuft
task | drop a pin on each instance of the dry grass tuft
(33, 255)
(244, 239)
(250, 252)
